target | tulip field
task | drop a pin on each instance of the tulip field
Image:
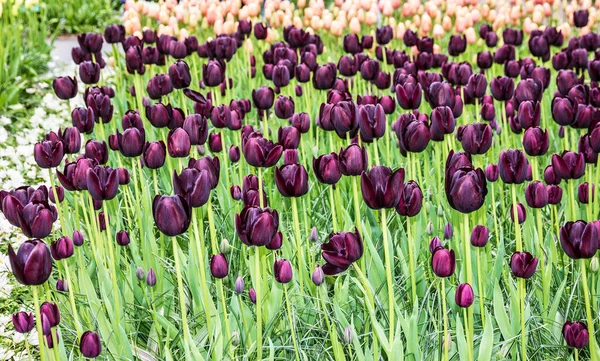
(350, 180)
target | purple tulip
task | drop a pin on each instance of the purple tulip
(342, 249)
(256, 226)
(218, 266)
(381, 187)
(32, 263)
(523, 264)
(282, 270)
(90, 345)
(443, 262)
(464, 295)
(171, 214)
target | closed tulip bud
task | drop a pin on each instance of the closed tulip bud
(90, 345)
(521, 213)
(568, 165)
(263, 97)
(151, 278)
(512, 166)
(434, 244)
(114, 33)
(342, 249)
(239, 285)
(131, 142)
(580, 18)
(443, 262)
(536, 141)
(23, 322)
(139, 273)
(411, 200)
(442, 122)
(122, 238)
(353, 160)
(62, 286)
(77, 238)
(324, 76)
(575, 334)
(464, 295)
(457, 45)
(528, 114)
(491, 172)
(65, 87)
(554, 194)
(284, 107)
(291, 180)
(89, 72)
(154, 154)
(466, 189)
(583, 192)
(381, 187)
(536, 195)
(218, 266)
(260, 31)
(475, 138)
(213, 73)
(171, 214)
(178, 143)
(280, 75)
(159, 86)
(179, 73)
(476, 86)
(252, 295)
(371, 121)
(327, 168)
(448, 232)
(479, 236)
(523, 264)
(214, 142)
(282, 270)
(57, 194)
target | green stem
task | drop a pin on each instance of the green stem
(480, 287)
(112, 262)
(334, 221)
(291, 320)
(411, 260)
(38, 322)
(588, 311)
(257, 288)
(388, 273)
(522, 292)
(204, 283)
(182, 306)
(299, 251)
(72, 298)
(445, 316)
(519, 241)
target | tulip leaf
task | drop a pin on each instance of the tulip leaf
(487, 340)
(500, 314)
(461, 341)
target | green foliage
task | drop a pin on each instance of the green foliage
(80, 16)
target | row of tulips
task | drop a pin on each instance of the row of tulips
(156, 225)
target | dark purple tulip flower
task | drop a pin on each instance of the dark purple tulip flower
(568, 165)
(554, 194)
(579, 239)
(443, 262)
(324, 76)
(381, 187)
(131, 142)
(89, 72)
(102, 182)
(528, 114)
(300, 121)
(193, 185)
(479, 236)
(214, 142)
(327, 168)
(178, 143)
(475, 138)
(114, 33)
(412, 132)
(32, 263)
(371, 122)
(282, 270)
(583, 192)
(234, 153)
(280, 75)
(466, 189)
(263, 97)
(442, 122)
(491, 172)
(71, 139)
(159, 86)
(196, 126)
(464, 295)
(256, 226)
(576, 334)
(154, 154)
(409, 95)
(291, 180)
(211, 165)
(512, 166)
(62, 248)
(218, 266)
(502, 88)
(536, 194)
(65, 87)
(259, 151)
(284, 107)
(411, 200)
(179, 73)
(83, 119)
(536, 141)
(580, 18)
(457, 45)
(353, 160)
(171, 214)
(36, 219)
(23, 322)
(49, 153)
(122, 238)
(383, 35)
(440, 94)
(523, 264)
(90, 345)
(342, 249)
(476, 86)
(563, 111)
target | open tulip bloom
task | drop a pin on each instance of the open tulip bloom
(317, 182)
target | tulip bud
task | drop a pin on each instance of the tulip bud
(479, 236)
(218, 266)
(594, 264)
(318, 276)
(214, 142)
(521, 213)
(348, 335)
(139, 273)
(252, 295)
(314, 234)
(464, 295)
(151, 278)
(443, 262)
(77, 238)
(62, 286)
(90, 345)
(448, 232)
(239, 285)
(32, 263)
